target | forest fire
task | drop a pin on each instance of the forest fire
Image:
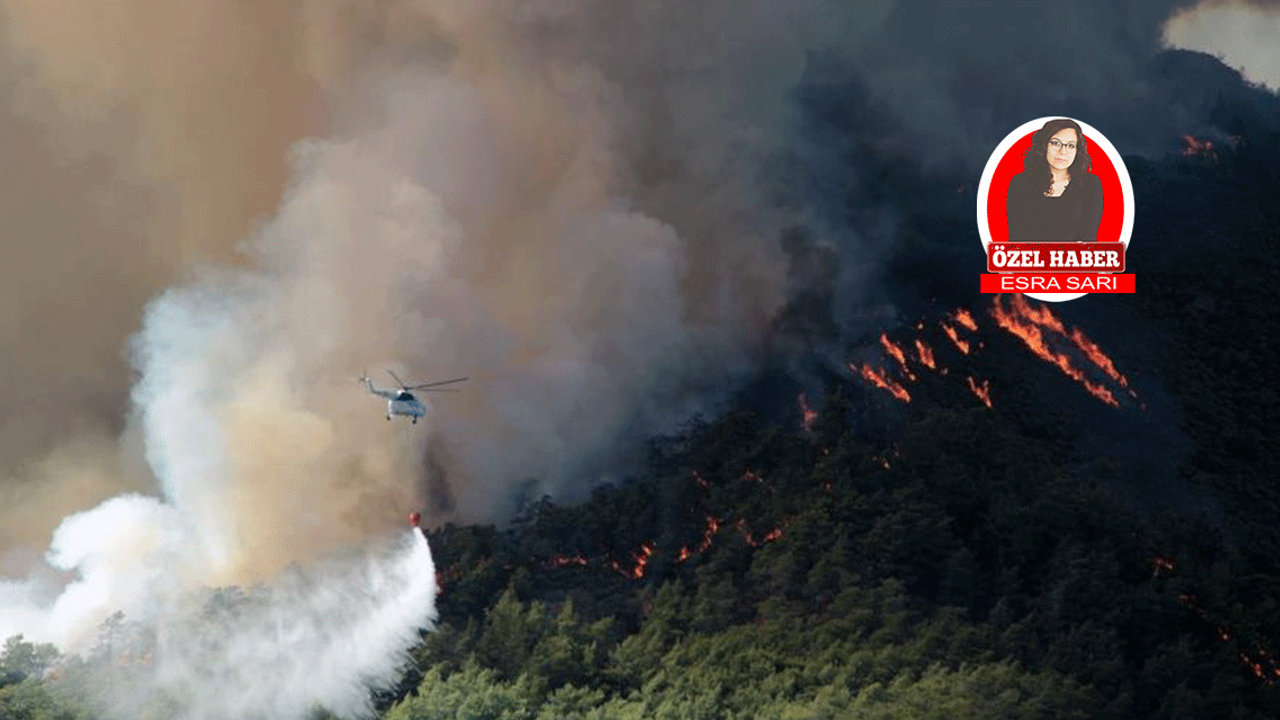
(642, 560)
(925, 353)
(1028, 325)
(879, 379)
(808, 416)
(1099, 358)
(770, 536)
(713, 527)
(983, 391)
(1260, 663)
(1194, 146)
(961, 345)
(560, 561)
(1037, 327)
(897, 354)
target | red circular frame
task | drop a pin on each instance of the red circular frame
(1011, 164)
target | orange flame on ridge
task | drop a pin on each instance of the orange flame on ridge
(963, 345)
(560, 561)
(925, 354)
(1099, 358)
(1193, 146)
(1026, 323)
(808, 416)
(642, 560)
(713, 527)
(753, 541)
(879, 379)
(1263, 666)
(897, 354)
(983, 391)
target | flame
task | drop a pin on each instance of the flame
(560, 561)
(1099, 358)
(983, 391)
(925, 353)
(1263, 666)
(963, 345)
(713, 527)
(1162, 564)
(642, 560)
(1030, 324)
(1193, 146)
(770, 536)
(897, 354)
(879, 379)
(808, 416)
(1027, 323)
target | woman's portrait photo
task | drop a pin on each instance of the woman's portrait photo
(1055, 198)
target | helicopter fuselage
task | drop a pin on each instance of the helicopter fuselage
(404, 403)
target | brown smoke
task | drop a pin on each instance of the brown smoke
(549, 198)
(561, 200)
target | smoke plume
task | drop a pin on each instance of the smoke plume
(580, 207)
(1240, 32)
(315, 638)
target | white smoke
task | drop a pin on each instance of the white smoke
(320, 638)
(1240, 33)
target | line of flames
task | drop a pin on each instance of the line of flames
(881, 380)
(983, 391)
(1260, 662)
(1032, 325)
(897, 354)
(642, 557)
(1028, 325)
(925, 356)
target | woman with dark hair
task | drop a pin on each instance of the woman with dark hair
(1055, 198)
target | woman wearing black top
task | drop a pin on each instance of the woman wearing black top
(1055, 198)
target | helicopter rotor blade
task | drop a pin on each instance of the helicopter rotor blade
(424, 386)
(398, 380)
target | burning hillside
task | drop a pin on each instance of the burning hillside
(1036, 326)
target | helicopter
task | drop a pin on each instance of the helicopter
(402, 401)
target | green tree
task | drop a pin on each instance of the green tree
(22, 659)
